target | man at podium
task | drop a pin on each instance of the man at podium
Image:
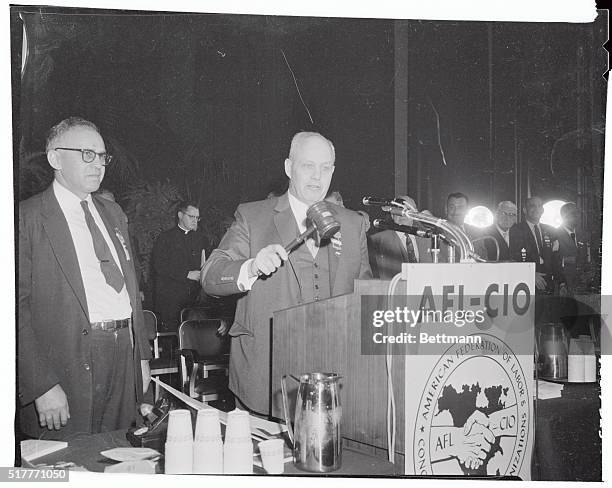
(251, 260)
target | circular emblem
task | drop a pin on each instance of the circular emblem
(474, 415)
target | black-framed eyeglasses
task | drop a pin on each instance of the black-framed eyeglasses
(197, 217)
(89, 155)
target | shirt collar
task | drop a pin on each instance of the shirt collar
(568, 230)
(501, 231)
(299, 209)
(185, 231)
(531, 226)
(66, 198)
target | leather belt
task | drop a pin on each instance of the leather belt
(111, 325)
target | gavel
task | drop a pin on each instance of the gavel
(322, 220)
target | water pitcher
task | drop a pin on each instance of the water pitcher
(317, 444)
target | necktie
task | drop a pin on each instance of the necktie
(538, 234)
(506, 237)
(108, 266)
(573, 236)
(410, 250)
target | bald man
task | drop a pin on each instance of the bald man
(251, 261)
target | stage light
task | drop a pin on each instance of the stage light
(551, 215)
(480, 217)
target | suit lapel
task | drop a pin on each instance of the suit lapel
(56, 227)
(400, 246)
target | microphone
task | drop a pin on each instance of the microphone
(385, 202)
(407, 229)
(322, 221)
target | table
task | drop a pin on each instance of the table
(567, 443)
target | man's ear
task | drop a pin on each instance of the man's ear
(288, 165)
(53, 159)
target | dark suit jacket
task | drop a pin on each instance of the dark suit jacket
(521, 237)
(257, 225)
(504, 249)
(53, 322)
(174, 255)
(387, 253)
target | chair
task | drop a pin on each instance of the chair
(204, 351)
(159, 365)
(196, 313)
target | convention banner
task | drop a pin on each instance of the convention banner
(469, 384)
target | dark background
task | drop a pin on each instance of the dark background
(205, 105)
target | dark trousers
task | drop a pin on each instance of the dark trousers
(114, 391)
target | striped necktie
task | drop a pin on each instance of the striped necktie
(108, 266)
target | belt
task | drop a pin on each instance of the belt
(111, 325)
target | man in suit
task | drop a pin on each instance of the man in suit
(505, 218)
(178, 255)
(251, 260)
(82, 349)
(457, 206)
(571, 251)
(531, 241)
(388, 249)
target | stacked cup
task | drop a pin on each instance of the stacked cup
(208, 447)
(179, 443)
(238, 447)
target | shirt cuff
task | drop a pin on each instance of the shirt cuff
(244, 282)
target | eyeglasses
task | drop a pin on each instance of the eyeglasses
(89, 156)
(197, 217)
(508, 214)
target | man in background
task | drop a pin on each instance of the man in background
(178, 255)
(82, 347)
(388, 249)
(532, 242)
(505, 218)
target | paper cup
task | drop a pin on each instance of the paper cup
(208, 457)
(179, 426)
(238, 457)
(178, 457)
(207, 425)
(273, 455)
(238, 425)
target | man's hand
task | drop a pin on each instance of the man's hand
(540, 281)
(194, 275)
(223, 328)
(52, 408)
(146, 375)
(268, 260)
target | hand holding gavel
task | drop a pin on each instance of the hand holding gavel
(322, 221)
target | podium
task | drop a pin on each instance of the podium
(326, 336)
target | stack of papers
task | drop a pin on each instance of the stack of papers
(35, 448)
(547, 390)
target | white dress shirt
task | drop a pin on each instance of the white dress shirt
(505, 234)
(103, 302)
(403, 236)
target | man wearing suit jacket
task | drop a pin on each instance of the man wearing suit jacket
(388, 249)
(572, 251)
(82, 350)
(505, 218)
(251, 260)
(533, 242)
(457, 206)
